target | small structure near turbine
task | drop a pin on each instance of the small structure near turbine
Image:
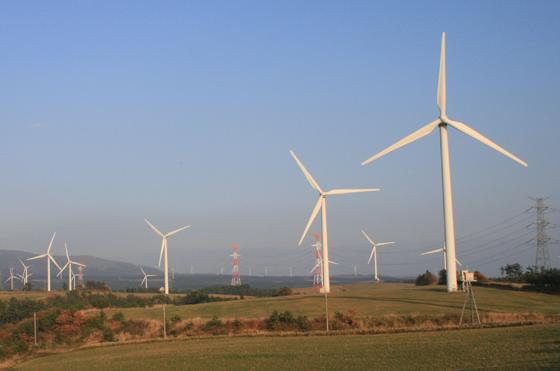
(318, 276)
(467, 278)
(444, 256)
(164, 248)
(49, 258)
(442, 122)
(235, 276)
(321, 204)
(374, 252)
(146, 277)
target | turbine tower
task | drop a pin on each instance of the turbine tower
(318, 277)
(444, 256)
(164, 247)
(321, 204)
(146, 277)
(11, 278)
(235, 277)
(443, 121)
(374, 252)
(69, 265)
(49, 258)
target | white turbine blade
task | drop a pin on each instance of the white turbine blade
(29, 275)
(154, 228)
(431, 252)
(49, 249)
(59, 273)
(333, 262)
(470, 132)
(369, 239)
(80, 264)
(37, 257)
(458, 262)
(8, 279)
(144, 280)
(372, 252)
(151, 275)
(313, 215)
(308, 176)
(316, 265)
(66, 247)
(346, 191)
(50, 257)
(384, 243)
(143, 271)
(441, 93)
(170, 233)
(24, 267)
(411, 138)
(161, 252)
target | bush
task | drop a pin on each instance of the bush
(108, 335)
(426, 279)
(285, 291)
(118, 317)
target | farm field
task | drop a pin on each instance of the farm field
(371, 299)
(513, 348)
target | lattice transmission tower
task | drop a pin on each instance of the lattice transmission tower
(235, 277)
(318, 277)
(543, 256)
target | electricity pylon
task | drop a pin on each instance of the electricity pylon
(543, 256)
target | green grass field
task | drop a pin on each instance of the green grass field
(371, 299)
(513, 348)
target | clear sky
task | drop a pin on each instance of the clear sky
(184, 113)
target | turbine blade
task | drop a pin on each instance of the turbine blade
(170, 233)
(37, 257)
(313, 215)
(161, 252)
(372, 252)
(143, 271)
(333, 262)
(54, 261)
(346, 191)
(431, 252)
(384, 243)
(22, 263)
(411, 138)
(308, 176)
(80, 264)
(66, 247)
(316, 265)
(441, 93)
(472, 133)
(369, 239)
(62, 270)
(144, 280)
(49, 249)
(154, 228)
(458, 262)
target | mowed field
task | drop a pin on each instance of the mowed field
(513, 348)
(371, 299)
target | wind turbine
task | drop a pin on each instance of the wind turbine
(49, 258)
(164, 247)
(11, 278)
(443, 121)
(444, 256)
(146, 277)
(321, 204)
(25, 274)
(374, 252)
(69, 265)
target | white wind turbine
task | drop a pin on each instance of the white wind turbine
(164, 247)
(442, 122)
(69, 265)
(25, 274)
(444, 256)
(146, 277)
(11, 278)
(374, 252)
(49, 258)
(321, 204)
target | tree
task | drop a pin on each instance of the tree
(426, 279)
(285, 291)
(28, 286)
(442, 277)
(514, 272)
(64, 286)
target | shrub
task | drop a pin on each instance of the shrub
(108, 335)
(285, 291)
(118, 317)
(426, 279)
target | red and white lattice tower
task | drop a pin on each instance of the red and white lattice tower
(235, 277)
(80, 275)
(318, 277)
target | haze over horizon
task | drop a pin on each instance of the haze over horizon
(185, 113)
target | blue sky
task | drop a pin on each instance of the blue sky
(184, 113)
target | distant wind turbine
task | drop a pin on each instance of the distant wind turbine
(374, 252)
(321, 204)
(69, 265)
(49, 258)
(443, 121)
(444, 256)
(146, 277)
(24, 277)
(11, 278)
(164, 247)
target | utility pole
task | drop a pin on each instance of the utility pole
(290, 272)
(542, 259)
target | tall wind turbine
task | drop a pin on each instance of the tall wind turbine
(11, 278)
(69, 265)
(164, 247)
(321, 204)
(374, 252)
(443, 121)
(146, 277)
(444, 256)
(49, 258)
